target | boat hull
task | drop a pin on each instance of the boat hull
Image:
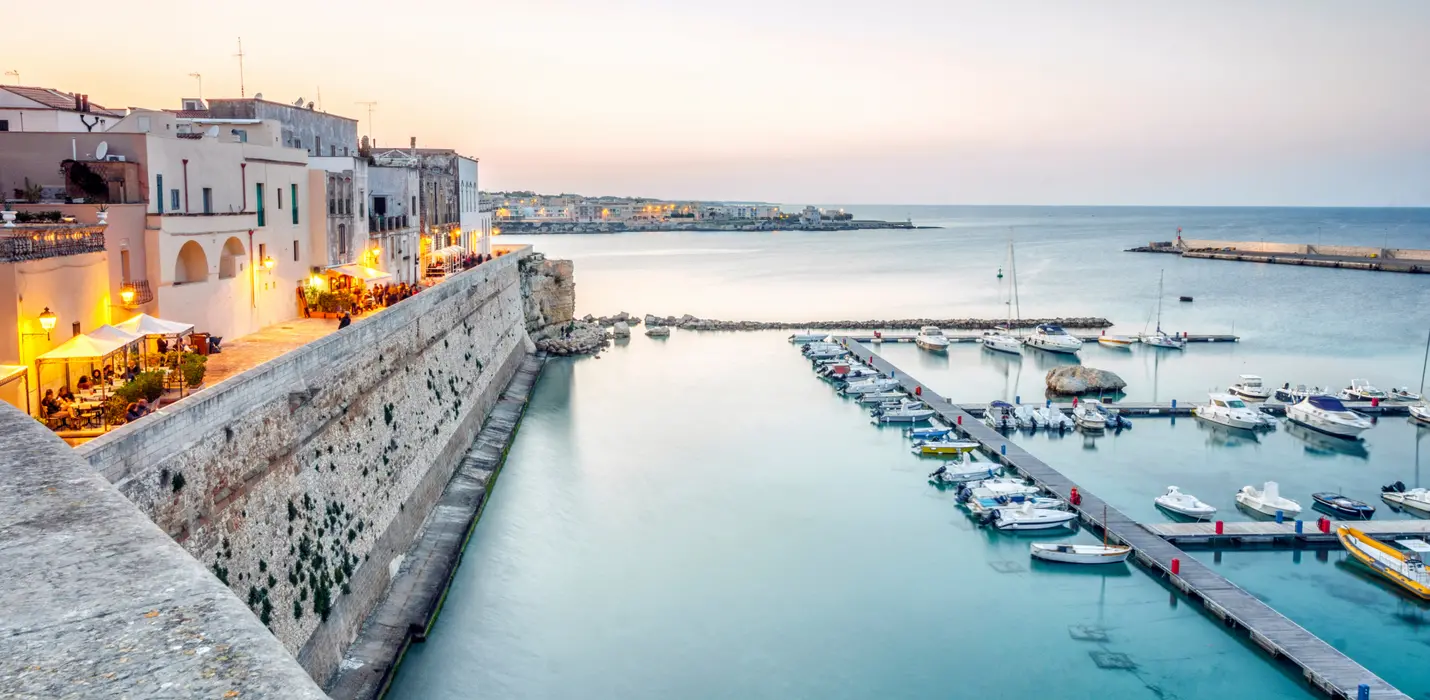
(1399, 500)
(1176, 509)
(1226, 420)
(1029, 525)
(932, 345)
(1382, 560)
(1287, 511)
(1053, 346)
(1340, 430)
(1081, 554)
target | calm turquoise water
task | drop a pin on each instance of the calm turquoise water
(701, 517)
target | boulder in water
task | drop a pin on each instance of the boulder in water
(1077, 379)
(621, 330)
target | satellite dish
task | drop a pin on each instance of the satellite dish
(101, 150)
(298, 102)
(257, 95)
(212, 132)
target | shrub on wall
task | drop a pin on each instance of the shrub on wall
(193, 366)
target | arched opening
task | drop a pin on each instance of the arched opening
(230, 259)
(192, 264)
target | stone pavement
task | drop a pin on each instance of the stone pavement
(245, 353)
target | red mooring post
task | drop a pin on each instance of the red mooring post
(1176, 566)
(1220, 527)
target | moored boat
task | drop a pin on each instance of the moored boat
(807, 337)
(1421, 413)
(1117, 342)
(1184, 504)
(1089, 416)
(936, 431)
(907, 411)
(1410, 499)
(932, 339)
(1298, 393)
(1268, 500)
(879, 397)
(1081, 553)
(1404, 569)
(960, 475)
(1029, 518)
(1002, 342)
(1343, 506)
(1249, 386)
(869, 386)
(1404, 394)
(944, 447)
(1229, 411)
(1053, 338)
(1160, 338)
(993, 488)
(1362, 390)
(1000, 416)
(1328, 415)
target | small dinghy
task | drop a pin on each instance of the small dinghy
(1081, 553)
(960, 475)
(1404, 394)
(908, 411)
(1116, 342)
(1342, 505)
(869, 386)
(1411, 499)
(879, 397)
(1029, 518)
(1051, 418)
(993, 488)
(1402, 568)
(934, 432)
(944, 448)
(1016, 500)
(807, 337)
(1184, 504)
(1001, 416)
(1268, 500)
(1090, 416)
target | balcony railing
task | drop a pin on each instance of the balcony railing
(379, 224)
(40, 241)
(135, 293)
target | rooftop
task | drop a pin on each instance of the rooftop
(48, 98)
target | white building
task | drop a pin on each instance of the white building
(476, 220)
(394, 223)
(43, 109)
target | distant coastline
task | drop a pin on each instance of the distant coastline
(598, 227)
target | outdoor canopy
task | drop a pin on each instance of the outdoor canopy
(449, 251)
(146, 325)
(366, 274)
(90, 347)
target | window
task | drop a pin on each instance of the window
(262, 215)
(240, 135)
(280, 197)
(208, 200)
(293, 190)
(159, 189)
(295, 251)
(4, 124)
(174, 200)
(297, 143)
(317, 145)
(124, 266)
(333, 150)
(379, 205)
(342, 239)
(262, 252)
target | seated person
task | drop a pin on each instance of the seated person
(109, 373)
(132, 372)
(133, 412)
(84, 384)
(163, 346)
(52, 408)
(144, 406)
(66, 395)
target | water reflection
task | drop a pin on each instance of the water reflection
(1044, 359)
(1319, 444)
(1219, 435)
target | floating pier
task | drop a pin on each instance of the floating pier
(973, 337)
(1283, 534)
(1321, 664)
(1184, 408)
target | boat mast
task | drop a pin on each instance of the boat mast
(1013, 272)
(1160, 276)
(1423, 364)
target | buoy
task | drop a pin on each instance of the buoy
(1220, 527)
(1000, 273)
(1176, 566)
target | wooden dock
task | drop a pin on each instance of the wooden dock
(1273, 534)
(1321, 664)
(975, 336)
(1184, 408)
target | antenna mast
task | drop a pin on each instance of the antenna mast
(370, 106)
(241, 92)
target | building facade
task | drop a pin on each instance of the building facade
(45, 109)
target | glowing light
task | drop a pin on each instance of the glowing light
(316, 282)
(47, 319)
(268, 262)
(127, 294)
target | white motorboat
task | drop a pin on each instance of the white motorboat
(1298, 393)
(1159, 338)
(937, 431)
(1362, 390)
(808, 348)
(1405, 394)
(1184, 504)
(1002, 342)
(1116, 342)
(1030, 518)
(870, 386)
(827, 353)
(932, 339)
(1249, 386)
(847, 372)
(879, 397)
(1053, 338)
(808, 337)
(1268, 500)
(1051, 418)
(979, 506)
(1081, 553)
(1230, 411)
(658, 331)
(943, 447)
(1027, 417)
(905, 412)
(1410, 499)
(1000, 416)
(993, 488)
(1421, 413)
(1328, 415)
(960, 475)
(1089, 415)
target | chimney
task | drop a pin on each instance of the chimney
(77, 103)
(84, 103)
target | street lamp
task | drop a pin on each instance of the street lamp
(127, 294)
(268, 263)
(47, 323)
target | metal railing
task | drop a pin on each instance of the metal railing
(37, 242)
(137, 292)
(378, 224)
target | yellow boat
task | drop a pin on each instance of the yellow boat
(945, 447)
(1404, 569)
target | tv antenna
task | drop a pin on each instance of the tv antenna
(199, 78)
(239, 55)
(15, 73)
(370, 107)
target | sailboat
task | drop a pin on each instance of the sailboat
(1083, 553)
(1420, 410)
(1160, 339)
(1003, 340)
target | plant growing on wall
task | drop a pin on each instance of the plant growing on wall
(32, 191)
(88, 181)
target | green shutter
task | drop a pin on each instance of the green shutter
(294, 196)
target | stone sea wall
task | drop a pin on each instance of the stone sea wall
(301, 482)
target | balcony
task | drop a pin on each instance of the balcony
(135, 293)
(23, 242)
(381, 224)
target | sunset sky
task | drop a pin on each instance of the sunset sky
(1295, 102)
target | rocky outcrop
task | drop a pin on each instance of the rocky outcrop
(575, 338)
(621, 330)
(1077, 379)
(549, 290)
(692, 323)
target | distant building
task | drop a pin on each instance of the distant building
(810, 216)
(394, 224)
(44, 109)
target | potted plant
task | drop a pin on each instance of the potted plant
(102, 214)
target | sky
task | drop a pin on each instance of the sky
(1150, 102)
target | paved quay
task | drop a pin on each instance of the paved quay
(1320, 664)
(414, 599)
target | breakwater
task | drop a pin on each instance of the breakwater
(302, 483)
(1408, 260)
(695, 323)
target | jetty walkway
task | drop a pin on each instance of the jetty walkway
(1321, 664)
(1336, 256)
(1281, 535)
(974, 337)
(1184, 408)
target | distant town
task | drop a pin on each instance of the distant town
(530, 212)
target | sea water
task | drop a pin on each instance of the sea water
(702, 517)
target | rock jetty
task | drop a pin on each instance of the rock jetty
(1077, 379)
(694, 323)
(576, 338)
